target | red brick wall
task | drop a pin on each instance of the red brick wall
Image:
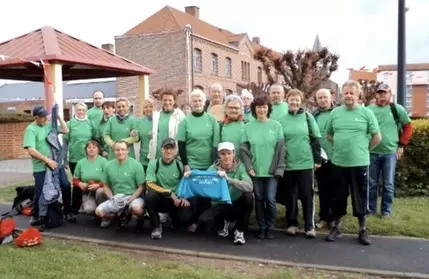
(12, 139)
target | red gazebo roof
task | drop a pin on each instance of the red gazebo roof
(80, 60)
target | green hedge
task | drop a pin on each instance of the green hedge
(12, 117)
(412, 178)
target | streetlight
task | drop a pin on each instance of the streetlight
(402, 64)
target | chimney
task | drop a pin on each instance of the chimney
(108, 47)
(193, 11)
(256, 40)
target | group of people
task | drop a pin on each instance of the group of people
(267, 149)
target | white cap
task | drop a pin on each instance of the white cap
(225, 146)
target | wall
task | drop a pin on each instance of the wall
(27, 107)
(11, 148)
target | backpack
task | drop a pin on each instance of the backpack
(396, 118)
(55, 215)
(177, 165)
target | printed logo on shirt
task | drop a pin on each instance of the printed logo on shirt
(127, 173)
(359, 119)
(98, 169)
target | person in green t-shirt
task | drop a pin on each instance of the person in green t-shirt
(123, 182)
(263, 153)
(349, 128)
(247, 98)
(144, 131)
(95, 114)
(88, 175)
(396, 130)
(240, 189)
(121, 127)
(108, 111)
(303, 155)
(277, 96)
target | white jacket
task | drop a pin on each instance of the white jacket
(173, 127)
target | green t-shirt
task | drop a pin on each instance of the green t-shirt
(144, 128)
(240, 173)
(299, 154)
(87, 170)
(388, 128)
(95, 114)
(279, 110)
(35, 137)
(119, 131)
(248, 116)
(80, 132)
(124, 178)
(350, 130)
(233, 132)
(164, 120)
(262, 137)
(321, 120)
(201, 135)
(168, 175)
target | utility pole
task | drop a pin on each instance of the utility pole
(401, 53)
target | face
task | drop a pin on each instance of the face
(246, 101)
(294, 102)
(98, 98)
(382, 96)
(233, 110)
(226, 157)
(122, 108)
(186, 110)
(261, 111)
(80, 111)
(276, 94)
(216, 94)
(92, 150)
(147, 109)
(41, 120)
(121, 151)
(168, 153)
(323, 99)
(350, 96)
(197, 104)
(108, 111)
(167, 102)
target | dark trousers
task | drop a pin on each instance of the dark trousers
(77, 195)
(354, 181)
(156, 203)
(324, 183)
(238, 211)
(39, 179)
(299, 185)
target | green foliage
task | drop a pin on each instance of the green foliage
(12, 117)
(411, 175)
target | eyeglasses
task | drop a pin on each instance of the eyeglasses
(233, 108)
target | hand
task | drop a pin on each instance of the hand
(112, 144)
(184, 203)
(105, 154)
(187, 171)
(316, 166)
(51, 163)
(222, 174)
(129, 200)
(176, 201)
(66, 165)
(252, 172)
(150, 135)
(400, 153)
(83, 186)
(93, 187)
(133, 133)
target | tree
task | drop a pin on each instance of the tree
(369, 87)
(305, 70)
(257, 90)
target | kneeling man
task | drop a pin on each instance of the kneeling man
(240, 189)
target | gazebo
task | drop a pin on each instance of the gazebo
(51, 56)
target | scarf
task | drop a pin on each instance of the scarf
(121, 118)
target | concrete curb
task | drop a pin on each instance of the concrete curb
(141, 247)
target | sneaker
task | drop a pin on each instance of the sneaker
(321, 224)
(163, 218)
(385, 215)
(156, 233)
(364, 238)
(261, 234)
(124, 219)
(104, 223)
(239, 238)
(269, 234)
(225, 231)
(310, 234)
(70, 217)
(192, 228)
(334, 234)
(291, 230)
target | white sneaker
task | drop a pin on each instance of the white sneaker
(156, 233)
(225, 231)
(291, 230)
(239, 238)
(310, 234)
(104, 223)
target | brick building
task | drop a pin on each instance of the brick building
(185, 52)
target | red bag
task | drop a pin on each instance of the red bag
(28, 238)
(7, 225)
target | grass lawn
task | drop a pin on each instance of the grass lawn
(409, 216)
(65, 259)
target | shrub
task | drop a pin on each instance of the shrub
(12, 117)
(411, 175)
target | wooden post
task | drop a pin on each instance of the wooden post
(143, 91)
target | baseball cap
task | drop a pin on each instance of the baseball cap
(40, 111)
(225, 146)
(383, 87)
(169, 141)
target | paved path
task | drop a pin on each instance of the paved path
(398, 255)
(15, 171)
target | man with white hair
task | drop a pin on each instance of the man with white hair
(277, 96)
(216, 96)
(247, 98)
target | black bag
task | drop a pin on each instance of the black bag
(396, 118)
(55, 216)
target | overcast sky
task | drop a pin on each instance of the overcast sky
(363, 32)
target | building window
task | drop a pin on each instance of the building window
(245, 71)
(214, 64)
(197, 60)
(259, 75)
(409, 97)
(228, 69)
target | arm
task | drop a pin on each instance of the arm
(216, 140)
(182, 152)
(108, 191)
(281, 164)
(137, 193)
(37, 155)
(407, 132)
(246, 155)
(330, 128)
(244, 184)
(376, 138)
(131, 139)
(107, 134)
(64, 129)
(151, 180)
(315, 141)
(181, 142)
(373, 130)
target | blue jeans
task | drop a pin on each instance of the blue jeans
(384, 164)
(265, 201)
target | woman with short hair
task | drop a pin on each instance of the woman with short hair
(144, 131)
(247, 98)
(232, 127)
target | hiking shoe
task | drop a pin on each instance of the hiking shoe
(225, 231)
(334, 234)
(321, 224)
(268, 234)
(163, 218)
(291, 230)
(364, 238)
(70, 217)
(156, 233)
(261, 234)
(310, 234)
(239, 238)
(104, 223)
